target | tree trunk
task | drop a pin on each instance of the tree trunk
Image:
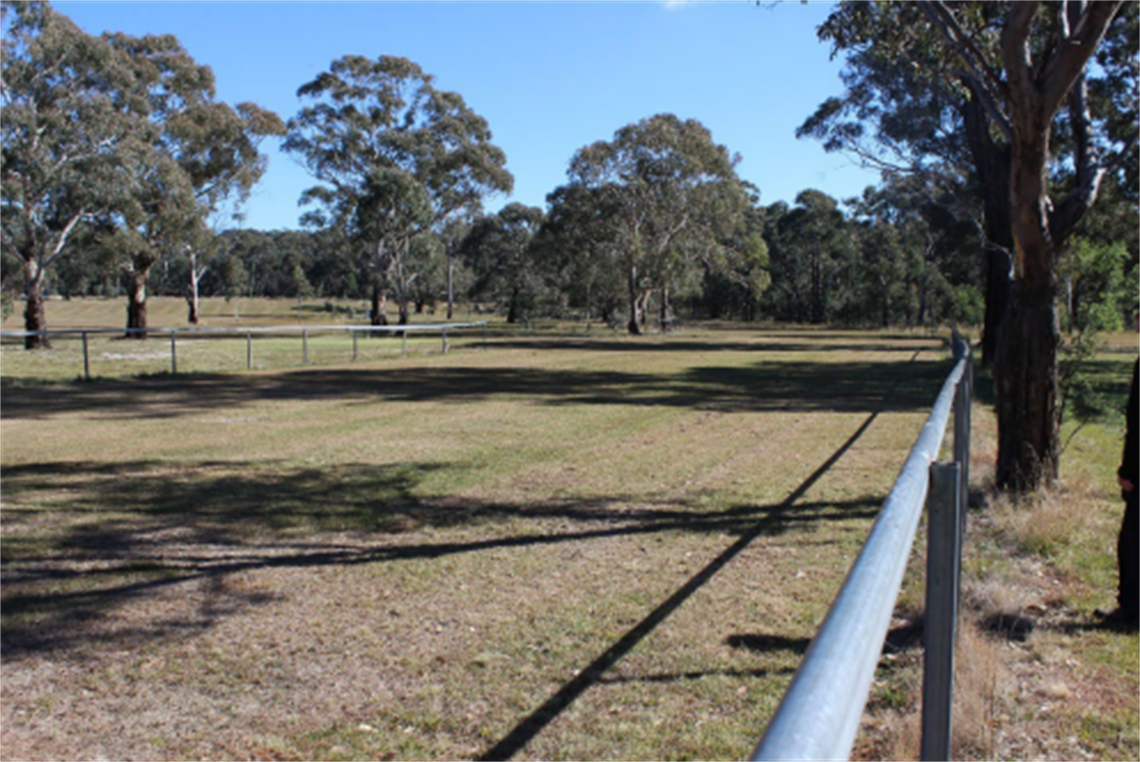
(192, 305)
(666, 324)
(136, 305)
(34, 318)
(816, 292)
(634, 304)
(450, 282)
(999, 285)
(383, 261)
(379, 313)
(1026, 365)
(192, 289)
(992, 162)
(513, 306)
(1026, 376)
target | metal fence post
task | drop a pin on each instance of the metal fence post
(445, 346)
(249, 350)
(963, 403)
(963, 397)
(86, 362)
(173, 353)
(939, 627)
(305, 346)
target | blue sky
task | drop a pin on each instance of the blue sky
(549, 77)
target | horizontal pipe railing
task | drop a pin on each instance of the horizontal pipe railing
(248, 333)
(236, 331)
(819, 715)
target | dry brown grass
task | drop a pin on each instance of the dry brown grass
(1036, 677)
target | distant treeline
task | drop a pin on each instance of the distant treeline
(810, 264)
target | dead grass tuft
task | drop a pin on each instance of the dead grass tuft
(1041, 524)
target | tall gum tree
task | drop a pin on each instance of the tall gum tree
(70, 113)
(194, 154)
(578, 249)
(660, 176)
(1014, 80)
(393, 156)
(906, 111)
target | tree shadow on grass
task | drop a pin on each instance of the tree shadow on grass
(113, 535)
(761, 341)
(769, 643)
(755, 387)
(123, 532)
(774, 521)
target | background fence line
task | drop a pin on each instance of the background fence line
(248, 334)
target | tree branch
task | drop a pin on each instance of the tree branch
(1062, 69)
(1119, 158)
(1018, 60)
(986, 82)
(63, 236)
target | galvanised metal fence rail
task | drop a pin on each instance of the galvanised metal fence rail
(248, 333)
(820, 713)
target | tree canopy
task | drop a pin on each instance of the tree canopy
(117, 132)
(663, 191)
(1000, 96)
(70, 116)
(394, 156)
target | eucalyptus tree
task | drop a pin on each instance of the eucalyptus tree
(499, 252)
(1006, 88)
(70, 113)
(196, 154)
(735, 263)
(913, 252)
(811, 243)
(735, 277)
(393, 157)
(663, 178)
(427, 258)
(577, 249)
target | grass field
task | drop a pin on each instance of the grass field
(558, 546)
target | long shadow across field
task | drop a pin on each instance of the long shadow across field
(759, 386)
(62, 584)
(780, 342)
(533, 724)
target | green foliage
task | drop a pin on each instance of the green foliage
(234, 277)
(576, 251)
(116, 143)
(967, 305)
(1099, 295)
(498, 251)
(394, 157)
(71, 119)
(427, 258)
(1096, 286)
(661, 196)
(811, 245)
